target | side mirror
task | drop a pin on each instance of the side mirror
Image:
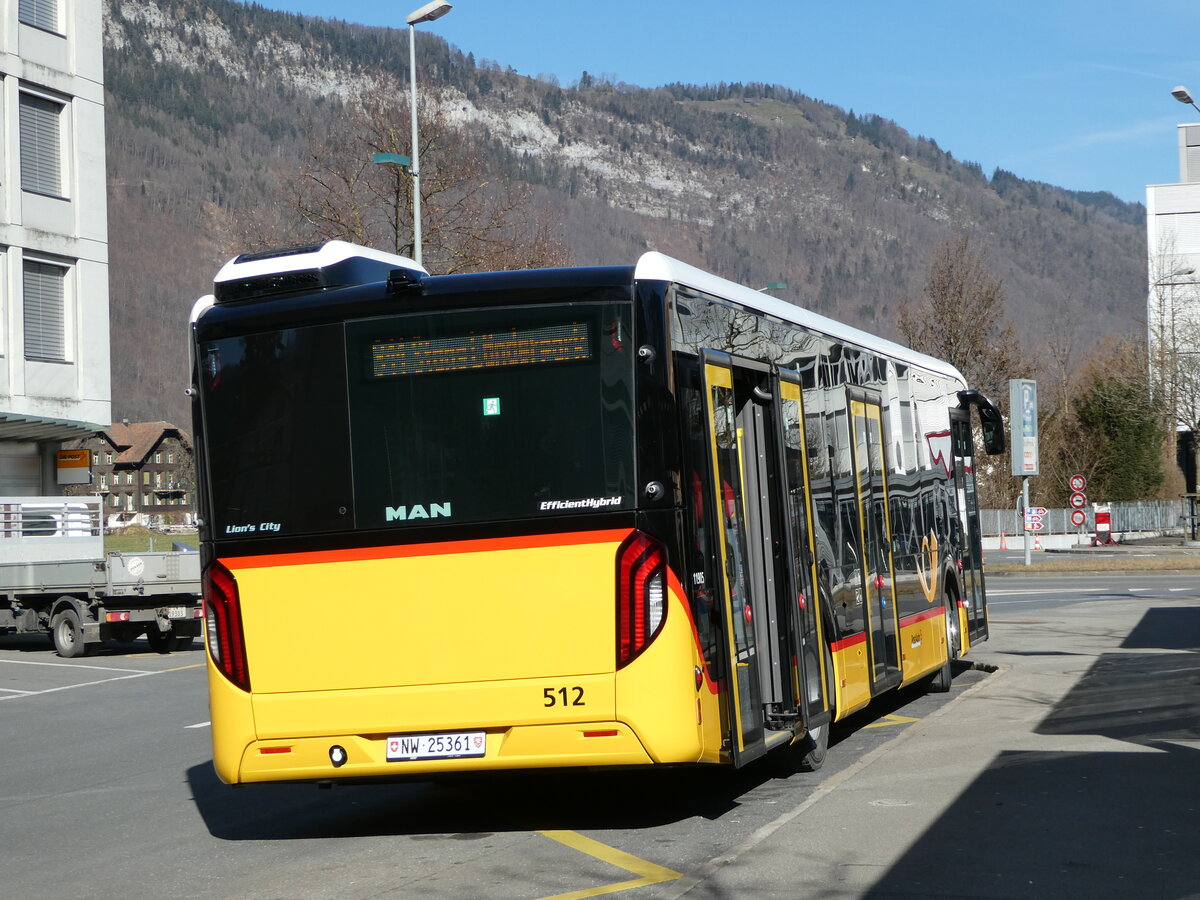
(990, 420)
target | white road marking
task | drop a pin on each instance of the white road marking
(133, 673)
(71, 687)
(64, 665)
(991, 593)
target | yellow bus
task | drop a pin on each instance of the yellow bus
(612, 516)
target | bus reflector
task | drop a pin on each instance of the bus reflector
(223, 625)
(641, 595)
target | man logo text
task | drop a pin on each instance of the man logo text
(409, 513)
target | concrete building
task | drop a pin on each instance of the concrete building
(54, 345)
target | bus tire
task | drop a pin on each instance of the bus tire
(815, 745)
(67, 632)
(943, 679)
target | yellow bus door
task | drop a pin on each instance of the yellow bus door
(772, 640)
(813, 661)
(877, 570)
(973, 598)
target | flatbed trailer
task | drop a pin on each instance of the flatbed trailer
(56, 579)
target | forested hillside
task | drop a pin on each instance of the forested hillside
(212, 106)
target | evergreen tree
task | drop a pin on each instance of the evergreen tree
(1121, 426)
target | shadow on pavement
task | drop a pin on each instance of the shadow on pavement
(1085, 824)
(469, 806)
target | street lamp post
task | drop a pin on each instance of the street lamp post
(1183, 95)
(426, 13)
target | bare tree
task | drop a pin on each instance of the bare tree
(960, 318)
(470, 221)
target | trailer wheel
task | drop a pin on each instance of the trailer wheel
(67, 632)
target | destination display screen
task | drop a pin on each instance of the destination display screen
(481, 350)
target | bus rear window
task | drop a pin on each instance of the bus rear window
(491, 414)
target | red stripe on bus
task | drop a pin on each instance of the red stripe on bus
(846, 643)
(446, 548)
(921, 616)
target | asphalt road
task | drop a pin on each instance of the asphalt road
(107, 791)
(1009, 594)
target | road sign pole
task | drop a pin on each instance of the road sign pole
(1025, 506)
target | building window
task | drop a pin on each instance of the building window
(41, 145)
(40, 14)
(45, 318)
(129, 478)
(108, 458)
(170, 457)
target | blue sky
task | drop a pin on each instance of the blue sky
(1072, 93)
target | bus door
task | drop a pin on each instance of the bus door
(762, 625)
(810, 675)
(878, 572)
(967, 503)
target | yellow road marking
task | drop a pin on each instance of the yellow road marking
(649, 873)
(891, 719)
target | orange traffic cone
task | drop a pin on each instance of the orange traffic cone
(1037, 541)
(1003, 542)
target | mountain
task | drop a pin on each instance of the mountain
(211, 104)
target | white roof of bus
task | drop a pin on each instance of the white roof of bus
(654, 266)
(324, 255)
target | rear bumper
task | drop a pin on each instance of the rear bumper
(519, 747)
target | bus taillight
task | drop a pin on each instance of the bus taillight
(641, 594)
(223, 625)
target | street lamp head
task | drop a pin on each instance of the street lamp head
(1180, 93)
(428, 12)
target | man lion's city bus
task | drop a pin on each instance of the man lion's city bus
(612, 516)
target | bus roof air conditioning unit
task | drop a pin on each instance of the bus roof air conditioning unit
(318, 267)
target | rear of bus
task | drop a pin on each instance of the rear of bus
(423, 544)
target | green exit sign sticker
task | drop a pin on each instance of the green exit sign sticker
(491, 406)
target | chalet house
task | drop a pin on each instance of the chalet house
(145, 473)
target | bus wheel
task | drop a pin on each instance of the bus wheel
(67, 633)
(942, 680)
(815, 744)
